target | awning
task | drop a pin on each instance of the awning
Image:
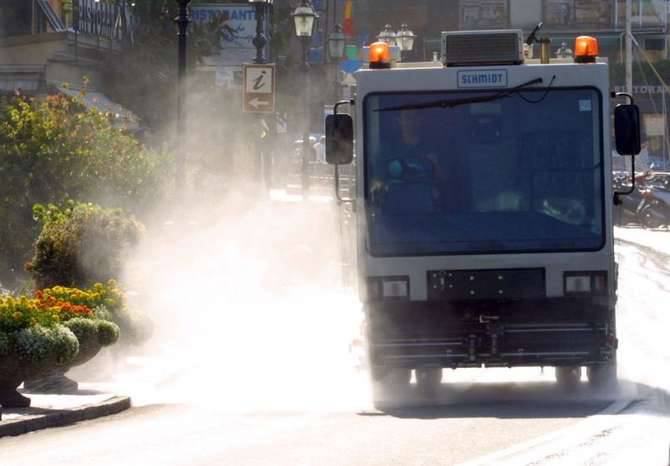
(123, 117)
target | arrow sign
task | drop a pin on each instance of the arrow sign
(258, 92)
(256, 103)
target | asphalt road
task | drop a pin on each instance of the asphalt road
(485, 417)
(201, 435)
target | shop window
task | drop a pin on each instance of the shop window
(15, 18)
(480, 14)
(657, 44)
(575, 13)
(645, 14)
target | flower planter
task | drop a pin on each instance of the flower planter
(12, 373)
(54, 379)
(91, 340)
(28, 353)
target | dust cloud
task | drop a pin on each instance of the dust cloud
(248, 308)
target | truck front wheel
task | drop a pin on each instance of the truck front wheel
(389, 386)
(568, 377)
(602, 376)
(428, 380)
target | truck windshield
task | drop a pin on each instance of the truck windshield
(520, 173)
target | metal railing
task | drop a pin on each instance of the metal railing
(112, 21)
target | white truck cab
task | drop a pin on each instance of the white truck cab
(484, 209)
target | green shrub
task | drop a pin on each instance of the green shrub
(84, 329)
(81, 244)
(101, 312)
(108, 332)
(103, 332)
(64, 343)
(55, 149)
(38, 344)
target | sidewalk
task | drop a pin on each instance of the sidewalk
(658, 240)
(60, 410)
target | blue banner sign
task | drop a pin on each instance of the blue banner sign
(233, 34)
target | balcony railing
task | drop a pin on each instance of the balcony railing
(112, 21)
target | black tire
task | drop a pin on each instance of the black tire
(428, 380)
(568, 377)
(603, 376)
(390, 386)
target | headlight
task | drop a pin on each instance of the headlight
(388, 288)
(585, 283)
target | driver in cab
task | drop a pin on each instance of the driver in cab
(420, 173)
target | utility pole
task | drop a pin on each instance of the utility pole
(629, 47)
(182, 21)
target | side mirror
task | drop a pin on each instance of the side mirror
(339, 139)
(627, 129)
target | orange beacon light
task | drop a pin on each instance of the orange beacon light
(586, 49)
(380, 55)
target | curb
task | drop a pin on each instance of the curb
(65, 417)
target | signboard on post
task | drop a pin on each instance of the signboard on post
(258, 91)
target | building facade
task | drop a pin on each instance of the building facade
(47, 43)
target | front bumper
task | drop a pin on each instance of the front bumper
(539, 332)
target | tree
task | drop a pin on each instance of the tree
(54, 149)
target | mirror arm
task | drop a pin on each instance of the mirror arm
(618, 194)
(340, 199)
(342, 102)
(624, 94)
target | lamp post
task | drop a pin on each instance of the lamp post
(336, 42)
(304, 18)
(262, 165)
(182, 21)
(260, 40)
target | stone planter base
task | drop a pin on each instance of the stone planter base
(53, 383)
(10, 398)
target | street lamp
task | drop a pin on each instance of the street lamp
(336, 43)
(260, 40)
(263, 162)
(388, 36)
(182, 21)
(405, 39)
(304, 18)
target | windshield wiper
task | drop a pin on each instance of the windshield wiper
(449, 103)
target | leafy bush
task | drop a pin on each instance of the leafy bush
(83, 329)
(94, 330)
(81, 244)
(102, 313)
(55, 149)
(39, 344)
(108, 332)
